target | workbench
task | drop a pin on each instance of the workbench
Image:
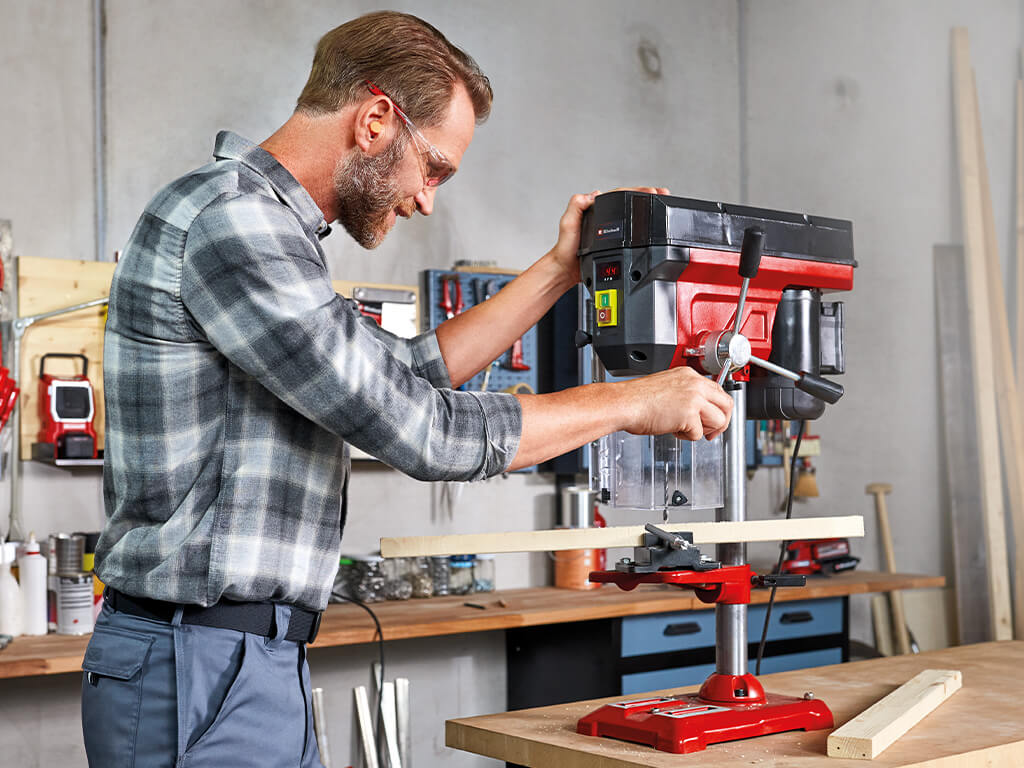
(537, 606)
(981, 725)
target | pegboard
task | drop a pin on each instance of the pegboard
(501, 378)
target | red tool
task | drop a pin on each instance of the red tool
(9, 392)
(812, 556)
(450, 309)
(66, 410)
(515, 357)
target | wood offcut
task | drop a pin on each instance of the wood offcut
(868, 734)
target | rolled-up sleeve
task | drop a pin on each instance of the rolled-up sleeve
(264, 300)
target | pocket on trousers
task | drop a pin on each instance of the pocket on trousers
(258, 724)
(112, 693)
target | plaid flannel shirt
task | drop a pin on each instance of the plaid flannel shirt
(234, 375)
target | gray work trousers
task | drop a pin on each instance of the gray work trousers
(158, 694)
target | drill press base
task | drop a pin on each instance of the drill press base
(688, 723)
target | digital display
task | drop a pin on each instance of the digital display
(609, 271)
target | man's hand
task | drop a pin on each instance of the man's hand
(568, 245)
(678, 401)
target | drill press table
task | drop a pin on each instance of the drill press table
(982, 725)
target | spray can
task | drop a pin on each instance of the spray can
(32, 570)
(10, 598)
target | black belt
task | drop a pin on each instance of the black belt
(257, 618)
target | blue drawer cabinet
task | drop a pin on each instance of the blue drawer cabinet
(662, 632)
(553, 664)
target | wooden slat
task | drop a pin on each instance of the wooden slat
(1011, 426)
(960, 444)
(438, 616)
(872, 731)
(882, 620)
(981, 337)
(1019, 210)
(622, 536)
(980, 726)
(45, 285)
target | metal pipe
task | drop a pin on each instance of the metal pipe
(731, 620)
(776, 369)
(99, 108)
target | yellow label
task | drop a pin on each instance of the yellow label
(606, 305)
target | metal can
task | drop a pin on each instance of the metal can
(74, 604)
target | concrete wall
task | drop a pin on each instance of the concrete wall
(848, 113)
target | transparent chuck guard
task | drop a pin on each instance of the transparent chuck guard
(657, 472)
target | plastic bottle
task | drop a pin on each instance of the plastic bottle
(32, 569)
(10, 599)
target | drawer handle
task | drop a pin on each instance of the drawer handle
(685, 628)
(796, 617)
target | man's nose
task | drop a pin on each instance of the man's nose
(425, 200)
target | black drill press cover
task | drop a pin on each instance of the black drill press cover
(620, 220)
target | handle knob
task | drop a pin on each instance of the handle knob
(750, 252)
(823, 389)
(582, 338)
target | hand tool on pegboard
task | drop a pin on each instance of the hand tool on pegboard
(446, 290)
(450, 286)
(904, 644)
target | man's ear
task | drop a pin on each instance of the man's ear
(374, 122)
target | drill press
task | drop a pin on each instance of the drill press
(673, 281)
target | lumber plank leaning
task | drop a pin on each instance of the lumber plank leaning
(990, 478)
(960, 443)
(1011, 427)
(621, 536)
(1019, 303)
(873, 730)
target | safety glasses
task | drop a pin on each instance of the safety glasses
(438, 168)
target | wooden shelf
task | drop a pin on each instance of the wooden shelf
(350, 625)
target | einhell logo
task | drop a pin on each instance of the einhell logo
(609, 229)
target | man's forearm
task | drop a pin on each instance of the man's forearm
(563, 421)
(477, 337)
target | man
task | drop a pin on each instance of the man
(235, 377)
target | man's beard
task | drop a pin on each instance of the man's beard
(368, 193)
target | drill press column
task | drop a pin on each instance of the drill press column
(731, 620)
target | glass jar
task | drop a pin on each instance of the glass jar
(483, 573)
(419, 577)
(461, 574)
(368, 580)
(396, 585)
(439, 575)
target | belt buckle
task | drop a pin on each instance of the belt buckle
(314, 629)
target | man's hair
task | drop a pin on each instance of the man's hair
(405, 57)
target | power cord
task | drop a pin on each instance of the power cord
(379, 637)
(782, 545)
